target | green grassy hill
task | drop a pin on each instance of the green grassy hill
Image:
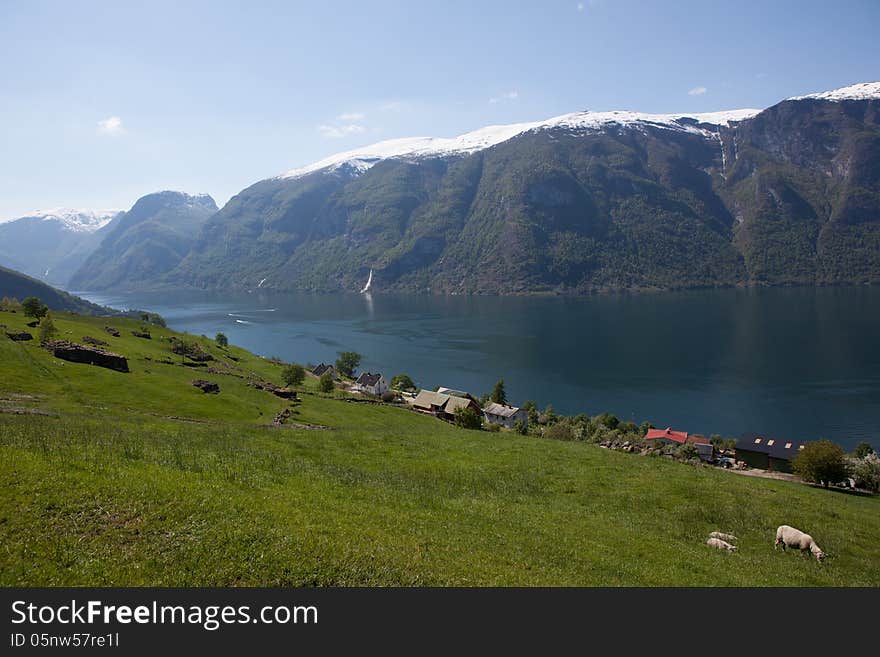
(139, 478)
(14, 284)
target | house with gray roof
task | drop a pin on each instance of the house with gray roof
(374, 384)
(506, 416)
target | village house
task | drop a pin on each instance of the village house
(765, 453)
(320, 369)
(443, 404)
(374, 384)
(668, 436)
(506, 416)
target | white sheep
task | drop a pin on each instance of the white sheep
(794, 538)
(722, 536)
(719, 544)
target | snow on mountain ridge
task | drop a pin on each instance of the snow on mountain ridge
(860, 91)
(74, 220)
(362, 159)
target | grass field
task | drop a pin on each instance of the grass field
(141, 479)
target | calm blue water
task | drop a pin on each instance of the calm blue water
(798, 362)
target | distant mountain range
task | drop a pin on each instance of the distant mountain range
(146, 242)
(579, 203)
(52, 244)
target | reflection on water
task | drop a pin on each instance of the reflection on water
(797, 362)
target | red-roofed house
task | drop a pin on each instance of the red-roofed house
(667, 436)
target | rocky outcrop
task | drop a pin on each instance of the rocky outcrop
(284, 393)
(80, 353)
(19, 336)
(206, 386)
(142, 334)
(112, 331)
(95, 342)
(191, 350)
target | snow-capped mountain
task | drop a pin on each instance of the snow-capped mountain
(576, 203)
(861, 91)
(52, 244)
(361, 159)
(706, 124)
(79, 221)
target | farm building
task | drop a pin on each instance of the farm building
(443, 405)
(504, 415)
(374, 384)
(765, 453)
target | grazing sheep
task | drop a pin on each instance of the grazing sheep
(718, 544)
(722, 536)
(794, 538)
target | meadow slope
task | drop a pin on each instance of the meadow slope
(138, 478)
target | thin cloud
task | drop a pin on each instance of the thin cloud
(340, 131)
(351, 116)
(510, 95)
(111, 126)
(697, 91)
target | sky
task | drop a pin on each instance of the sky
(103, 102)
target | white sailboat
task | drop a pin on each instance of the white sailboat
(369, 282)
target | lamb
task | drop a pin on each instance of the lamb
(722, 536)
(719, 544)
(794, 538)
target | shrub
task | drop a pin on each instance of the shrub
(522, 428)
(221, 340)
(687, 451)
(468, 418)
(388, 396)
(492, 427)
(325, 383)
(559, 431)
(47, 328)
(293, 374)
(821, 462)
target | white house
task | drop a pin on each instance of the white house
(504, 415)
(375, 384)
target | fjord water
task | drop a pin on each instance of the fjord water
(794, 362)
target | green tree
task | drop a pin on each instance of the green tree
(521, 427)
(559, 431)
(532, 409)
(498, 395)
(347, 363)
(325, 383)
(221, 340)
(821, 461)
(403, 382)
(33, 307)
(47, 328)
(548, 416)
(294, 375)
(862, 450)
(468, 418)
(866, 472)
